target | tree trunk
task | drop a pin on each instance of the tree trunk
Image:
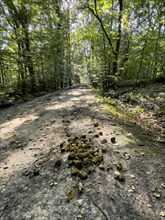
(29, 61)
(118, 40)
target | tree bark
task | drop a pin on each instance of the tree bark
(118, 40)
(29, 61)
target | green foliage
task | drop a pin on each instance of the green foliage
(44, 44)
(36, 50)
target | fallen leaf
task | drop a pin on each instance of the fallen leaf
(102, 166)
(163, 185)
(133, 176)
(119, 176)
(79, 216)
(162, 213)
(80, 187)
(157, 193)
(52, 184)
(79, 202)
(132, 190)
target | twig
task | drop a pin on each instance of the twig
(106, 216)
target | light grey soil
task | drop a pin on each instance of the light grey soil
(32, 187)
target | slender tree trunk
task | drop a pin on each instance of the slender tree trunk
(42, 72)
(141, 61)
(156, 52)
(21, 73)
(29, 62)
(2, 75)
(118, 41)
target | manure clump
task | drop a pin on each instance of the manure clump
(82, 156)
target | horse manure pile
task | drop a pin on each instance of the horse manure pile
(83, 156)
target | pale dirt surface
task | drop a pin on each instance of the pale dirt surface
(30, 136)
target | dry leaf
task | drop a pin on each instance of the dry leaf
(157, 193)
(162, 213)
(132, 190)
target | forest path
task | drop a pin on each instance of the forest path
(36, 180)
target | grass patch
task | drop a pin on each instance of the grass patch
(112, 107)
(135, 111)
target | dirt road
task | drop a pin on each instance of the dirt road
(37, 181)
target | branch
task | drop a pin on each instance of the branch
(133, 30)
(2, 6)
(95, 2)
(102, 26)
(10, 6)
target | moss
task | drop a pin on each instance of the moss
(115, 111)
(107, 101)
(112, 107)
(135, 111)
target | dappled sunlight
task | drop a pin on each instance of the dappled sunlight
(53, 107)
(82, 110)
(37, 160)
(74, 99)
(8, 129)
(16, 161)
(73, 93)
(60, 106)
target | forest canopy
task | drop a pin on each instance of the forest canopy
(48, 45)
